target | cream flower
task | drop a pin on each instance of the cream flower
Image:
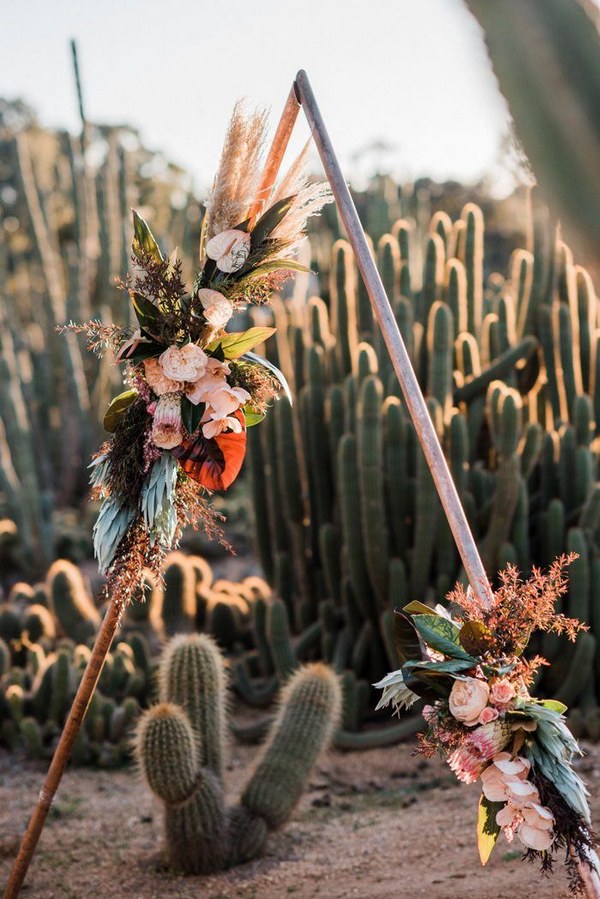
(537, 829)
(468, 698)
(167, 429)
(229, 249)
(216, 426)
(157, 379)
(217, 308)
(503, 691)
(186, 363)
(226, 400)
(212, 380)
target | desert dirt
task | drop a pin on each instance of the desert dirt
(371, 825)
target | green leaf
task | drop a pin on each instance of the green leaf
(554, 705)
(448, 666)
(418, 608)
(143, 239)
(117, 408)
(269, 221)
(252, 417)
(442, 635)
(254, 357)
(191, 415)
(474, 637)
(406, 638)
(146, 312)
(276, 265)
(235, 345)
(487, 829)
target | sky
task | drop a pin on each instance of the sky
(411, 73)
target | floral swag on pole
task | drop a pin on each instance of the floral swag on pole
(179, 429)
(470, 670)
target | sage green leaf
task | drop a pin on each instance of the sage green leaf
(118, 406)
(143, 239)
(487, 829)
(235, 345)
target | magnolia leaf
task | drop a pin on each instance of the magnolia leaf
(254, 357)
(269, 220)
(146, 312)
(487, 829)
(118, 406)
(252, 417)
(236, 344)
(474, 637)
(418, 608)
(448, 666)
(442, 635)
(143, 239)
(191, 415)
(146, 351)
(406, 638)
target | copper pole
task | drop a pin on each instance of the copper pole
(63, 750)
(410, 386)
(276, 152)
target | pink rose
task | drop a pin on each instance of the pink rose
(157, 380)
(488, 714)
(185, 363)
(230, 249)
(468, 698)
(503, 691)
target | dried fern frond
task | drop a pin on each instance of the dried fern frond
(238, 175)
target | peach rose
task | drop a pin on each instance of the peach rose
(213, 379)
(217, 308)
(157, 379)
(185, 363)
(488, 714)
(229, 249)
(503, 691)
(468, 698)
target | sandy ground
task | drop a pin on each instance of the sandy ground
(376, 824)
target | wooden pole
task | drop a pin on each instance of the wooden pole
(410, 386)
(276, 152)
(63, 750)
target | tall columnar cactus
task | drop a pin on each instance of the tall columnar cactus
(71, 603)
(180, 744)
(510, 372)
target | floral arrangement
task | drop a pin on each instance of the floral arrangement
(468, 665)
(193, 388)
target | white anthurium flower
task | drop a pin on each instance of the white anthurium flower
(229, 249)
(217, 308)
(395, 692)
